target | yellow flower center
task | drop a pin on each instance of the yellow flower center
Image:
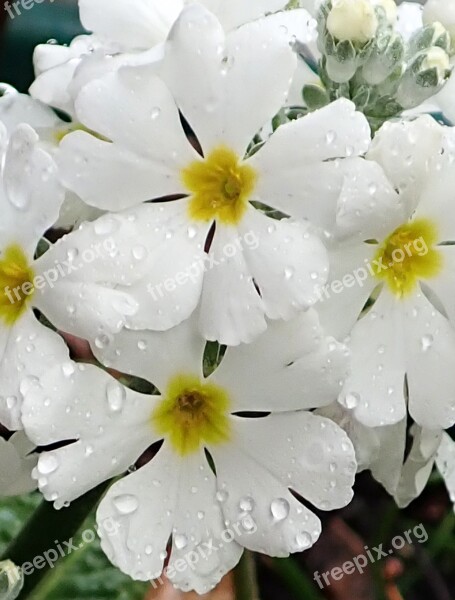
(16, 284)
(408, 255)
(220, 187)
(192, 413)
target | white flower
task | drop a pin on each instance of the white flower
(18, 108)
(132, 108)
(133, 33)
(65, 289)
(353, 20)
(16, 465)
(292, 366)
(403, 348)
(382, 450)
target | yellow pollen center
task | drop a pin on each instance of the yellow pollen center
(408, 255)
(16, 284)
(220, 186)
(192, 413)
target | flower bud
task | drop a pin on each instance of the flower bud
(437, 58)
(352, 20)
(424, 77)
(390, 9)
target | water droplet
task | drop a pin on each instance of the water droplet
(11, 402)
(280, 509)
(126, 504)
(102, 341)
(88, 450)
(115, 395)
(303, 540)
(331, 136)
(427, 342)
(68, 369)
(246, 504)
(47, 464)
(139, 252)
(289, 273)
(181, 541)
(156, 112)
(222, 496)
(350, 400)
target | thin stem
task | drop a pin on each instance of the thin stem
(245, 578)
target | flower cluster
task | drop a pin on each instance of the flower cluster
(238, 211)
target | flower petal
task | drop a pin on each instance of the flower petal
(207, 70)
(108, 435)
(167, 496)
(322, 472)
(418, 466)
(429, 352)
(303, 370)
(16, 466)
(436, 199)
(135, 517)
(30, 349)
(404, 150)
(238, 12)
(232, 311)
(132, 108)
(378, 368)
(32, 194)
(139, 25)
(445, 461)
(350, 285)
(288, 262)
(157, 356)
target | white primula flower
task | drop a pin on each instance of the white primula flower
(30, 200)
(16, 108)
(150, 157)
(133, 33)
(382, 450)
(16, 465)
(403, 348)
(216, 469)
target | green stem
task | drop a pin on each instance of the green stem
(245, 578)
(44, 530)
(296, 580)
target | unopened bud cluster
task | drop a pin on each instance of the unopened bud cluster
(365, 59)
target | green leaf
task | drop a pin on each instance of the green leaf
(14, 513)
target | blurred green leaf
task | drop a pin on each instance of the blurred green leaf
(86, 574)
